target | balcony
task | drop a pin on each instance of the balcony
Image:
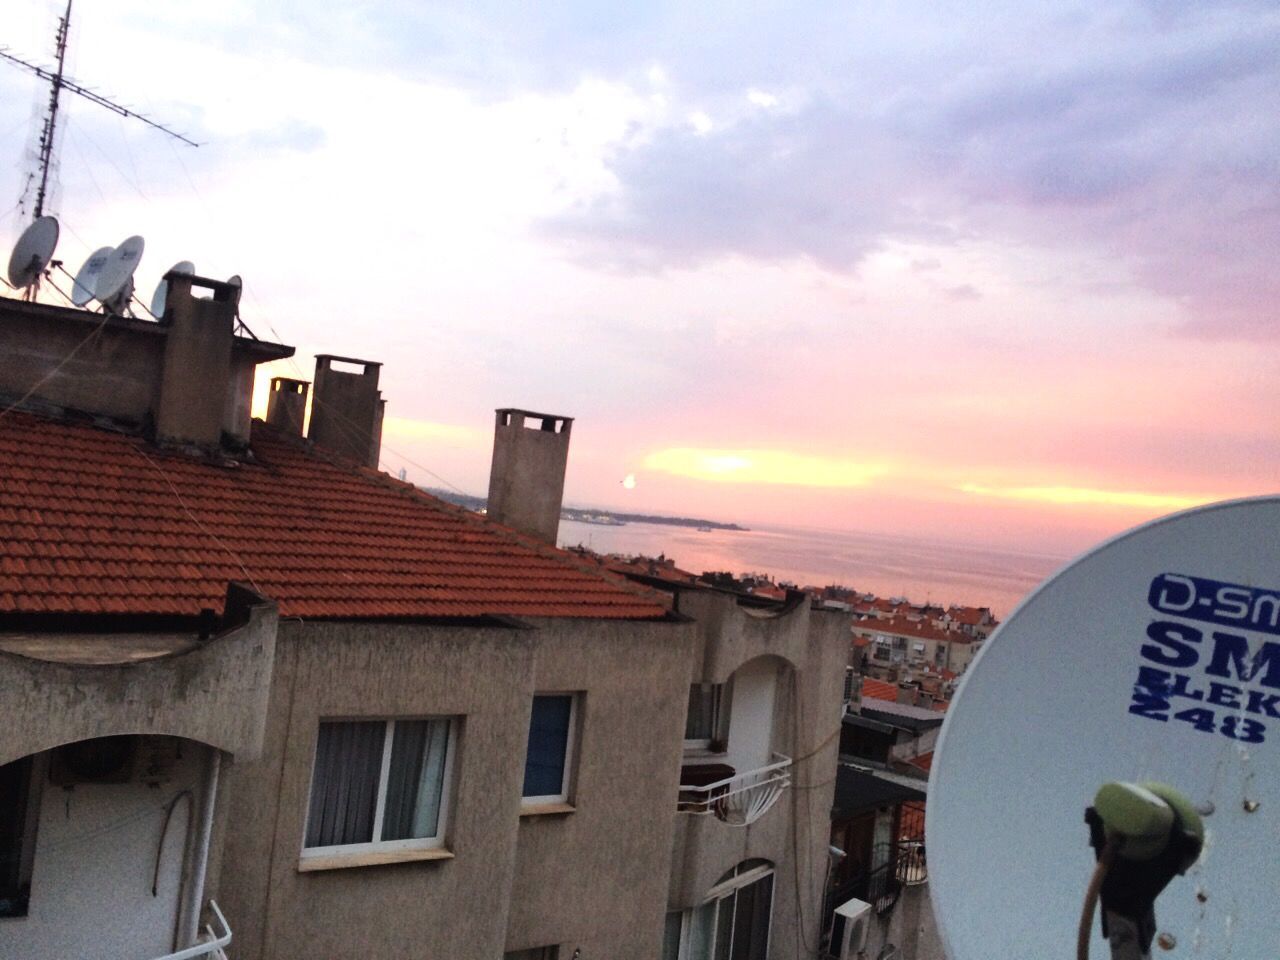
(738, 799)
(209, 943)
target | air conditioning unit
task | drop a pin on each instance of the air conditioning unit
(849, 933)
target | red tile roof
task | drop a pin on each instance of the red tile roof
(901, 626)
(878, 689)
(98, 522)
(924, 761)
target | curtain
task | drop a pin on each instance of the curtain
(344, 785)
(545, 761)
(415, 782)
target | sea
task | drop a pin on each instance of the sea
(888, 566)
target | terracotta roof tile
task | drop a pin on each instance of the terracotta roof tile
(96, 521)
(878, 689)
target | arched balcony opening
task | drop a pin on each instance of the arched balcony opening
(103, 849)
(731, 768)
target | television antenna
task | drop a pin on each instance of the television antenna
(1141, 684)
(58, 82)
(33, 253)
(86, 282)
(114, 285)
(160, 299)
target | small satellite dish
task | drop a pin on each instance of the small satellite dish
(1153, 659)
(33, 251)
(235, 281)
(86, 282)
(159, 299)
(115, 281)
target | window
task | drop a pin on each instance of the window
(705, 723)
(536, 953)
(548, 761)
(732, 925)
(20, 805)
(379, 785)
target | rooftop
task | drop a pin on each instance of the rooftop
(95, 521)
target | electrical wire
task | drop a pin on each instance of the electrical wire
(1091, 894)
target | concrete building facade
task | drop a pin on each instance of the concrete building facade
(249, 669)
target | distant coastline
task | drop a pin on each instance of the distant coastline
(582, 515)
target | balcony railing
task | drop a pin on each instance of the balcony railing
(741, 799)
(210, 943)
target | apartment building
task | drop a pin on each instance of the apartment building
(269, 703)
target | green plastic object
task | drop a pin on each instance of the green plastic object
(1138, 816)
(1192, 825)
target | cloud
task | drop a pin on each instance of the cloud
(773, 467)
(1088, 497)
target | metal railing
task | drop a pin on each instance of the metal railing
(210, 943)
(742, 799)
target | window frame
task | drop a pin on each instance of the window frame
(722, 891)
(568, 778)
(377, 845)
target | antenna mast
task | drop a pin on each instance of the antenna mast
(51, 117)
(58, 82)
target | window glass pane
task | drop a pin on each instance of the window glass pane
(751, 922)
(344, 784)
(15, 791)
(415, 782)
(724, 927)
(702, 925)
(700, 722)
(544, 766)
(671, 936)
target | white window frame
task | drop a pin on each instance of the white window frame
(376, 845)
(570, 751)
(722, 891)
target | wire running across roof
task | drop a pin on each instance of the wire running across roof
(98, 522)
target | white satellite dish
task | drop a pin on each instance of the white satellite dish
(159, 299)
(86, 282)
(33, 251)
(115, 281)
(1154, 658)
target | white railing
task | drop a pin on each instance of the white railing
(742, 799)
(210, 943)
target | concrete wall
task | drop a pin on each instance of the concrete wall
(191, 377)
(809, 649)
(214, 693)
(593, 878)
(115, 373)
(596, 879)
(95, 854)
(910, 926)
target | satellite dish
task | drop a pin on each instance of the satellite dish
(86, 282)
(115, 281)
(159, 299)
(33, 251)
(1155, 659)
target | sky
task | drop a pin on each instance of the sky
(994, 273)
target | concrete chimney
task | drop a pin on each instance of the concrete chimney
(347, 409)
(526, 481)
(196, 376)
(287, 404)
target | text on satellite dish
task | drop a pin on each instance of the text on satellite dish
(1244, 657)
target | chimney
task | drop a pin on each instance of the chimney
(347, 409)
(196, 375)
(287, 404)
(526, 481)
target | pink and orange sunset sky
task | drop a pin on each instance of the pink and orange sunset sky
(1000, 273)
